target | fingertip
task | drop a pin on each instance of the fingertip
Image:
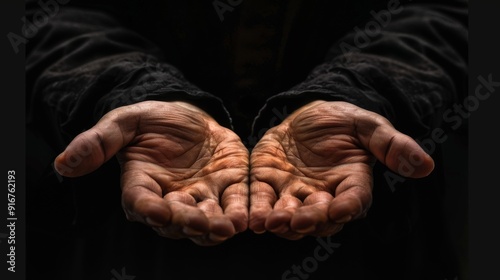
(191, 217)
(240, 222)
(428, 166)
(56, 166)
(307, 219)
(156, 215)
(191, 232)
(257, 217)
(222, 227)
(417, 165)
(146, 208)
(343, 220)
(238, 215)
(151, 222)
(306, 230)
(217, 239)
(343, 211)
(74, 163)
(61, 168)
(256, 223)
(278, 219)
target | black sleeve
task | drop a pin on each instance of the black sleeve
(83, 63)
(407, 63)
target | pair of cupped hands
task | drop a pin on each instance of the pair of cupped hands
(186, 176)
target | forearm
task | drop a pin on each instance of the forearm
(413, 68)
(83, 63)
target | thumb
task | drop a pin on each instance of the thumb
(399, 152)
(92, 148)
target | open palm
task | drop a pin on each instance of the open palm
(181, 173)
(313, 173)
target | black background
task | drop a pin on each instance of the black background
(484, 141)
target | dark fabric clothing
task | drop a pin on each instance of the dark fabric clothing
(248, 69)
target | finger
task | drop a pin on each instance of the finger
(186, 213)
(90, 149)
(142, 201)
(399, 152)
(313, 214)
(234, 202)
(353, 198)
(207, 240)
(187, 220)
(279, 219)
(220, 226)
(262, 200)
(175, 215)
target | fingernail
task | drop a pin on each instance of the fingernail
(306, 230)
(259, 231)
(61, 169)
(152, 223)
(217, 238)
(191, 232)
(344, 219)
(280, 230)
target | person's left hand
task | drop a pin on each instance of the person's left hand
(312, 173)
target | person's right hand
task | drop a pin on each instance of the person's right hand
(181, 172)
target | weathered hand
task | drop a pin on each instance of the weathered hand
(182, 173)
(313, 173)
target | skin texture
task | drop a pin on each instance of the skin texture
(186, 176)
(181, 173)
(313, 173)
